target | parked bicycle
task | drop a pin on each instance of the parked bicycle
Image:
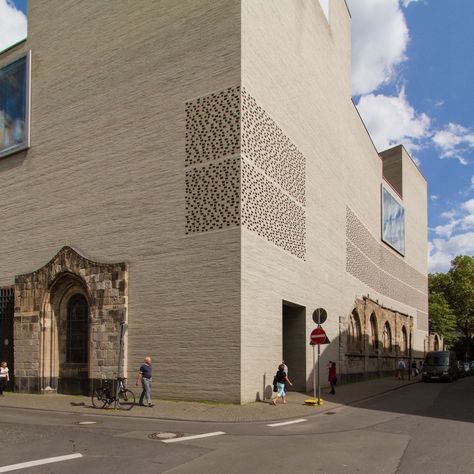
(104, 395)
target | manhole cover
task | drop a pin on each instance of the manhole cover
(330, 413)
(165, 435)
(85, 422)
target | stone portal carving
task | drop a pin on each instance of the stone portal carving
(41, 326)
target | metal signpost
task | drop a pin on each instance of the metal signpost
(123, 327)
(318, 337)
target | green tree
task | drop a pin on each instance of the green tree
(460, 293)
(439, 283)
(442, 319)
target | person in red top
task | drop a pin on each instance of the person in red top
(332, 376)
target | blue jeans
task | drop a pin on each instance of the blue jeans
(146, 393)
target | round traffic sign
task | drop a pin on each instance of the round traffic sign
(320, 315)
(318, 336)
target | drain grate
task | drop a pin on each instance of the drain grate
(330, 413)
(164, 435)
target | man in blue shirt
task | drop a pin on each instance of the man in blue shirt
(144, 375)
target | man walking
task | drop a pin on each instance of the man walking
(401, 369)
(144, 375)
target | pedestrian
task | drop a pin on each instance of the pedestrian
(332, 376)
(414, 369)
(401, 369)
(144, 376)
(4, 377)
(281, 379)
(285, 369)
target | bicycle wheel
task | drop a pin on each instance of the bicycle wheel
(126, 399)
(99, 400)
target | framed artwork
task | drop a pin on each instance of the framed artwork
(15, 106)
(393, 221)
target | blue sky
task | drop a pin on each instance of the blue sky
(412, 82)
(413, 73)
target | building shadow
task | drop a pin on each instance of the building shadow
(371, 342)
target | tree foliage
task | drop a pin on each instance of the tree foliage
(451, 299)
(442, 319)
(461, 293)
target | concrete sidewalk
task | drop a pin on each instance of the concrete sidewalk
(214, 412)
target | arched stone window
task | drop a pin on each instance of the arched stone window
(354, 332)
(436, 343)
(387, 337)
(77, 338)
(373, 333)
(404, 342)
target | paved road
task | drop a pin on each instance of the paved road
(419, 428)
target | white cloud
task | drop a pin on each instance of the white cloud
(455, 141)
(434, 197)
(379, 40)
(453, 238)
(407, 2)
(469, 206)
(13, 25)
(472, 182)
(438, 261)
(442, 251)
(391, 120)
(447, 229)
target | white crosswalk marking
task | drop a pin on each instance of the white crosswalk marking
(299, 420)
(187, 438)
(39, 462)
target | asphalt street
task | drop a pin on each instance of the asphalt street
(418, 428)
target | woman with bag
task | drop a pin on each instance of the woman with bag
(280, 379)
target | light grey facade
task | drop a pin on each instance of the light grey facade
(205, 177)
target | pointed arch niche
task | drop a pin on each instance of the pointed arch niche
(67, 323)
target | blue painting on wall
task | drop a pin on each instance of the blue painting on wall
(393, 222)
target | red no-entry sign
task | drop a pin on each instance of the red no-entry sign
(318, 336)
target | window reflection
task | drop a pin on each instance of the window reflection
(13, 106)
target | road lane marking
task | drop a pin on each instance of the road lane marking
(299, 420)
(39, 462)
(186, 438)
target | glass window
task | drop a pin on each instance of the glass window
(393, 222)
(355, 343)
(404, 346)
(387, 337)
(14, 106)
(77, 340)
(373, 336)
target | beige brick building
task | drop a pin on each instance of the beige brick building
(197, 170)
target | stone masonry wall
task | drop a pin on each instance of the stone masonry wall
(106, 286)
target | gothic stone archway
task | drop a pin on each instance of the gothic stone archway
(41, 327)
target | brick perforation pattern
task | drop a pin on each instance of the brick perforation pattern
(358, 265)
(370, 262)
(213, 196)
(213, 126)
(272, 214)
(265, 144)
(380, 255)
